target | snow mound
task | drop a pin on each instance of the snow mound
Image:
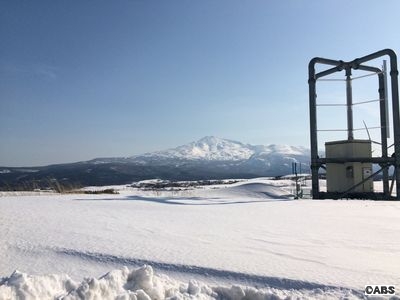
(23, 286)
(261, 189)
(143, 284)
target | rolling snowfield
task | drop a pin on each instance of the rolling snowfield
(248, 240)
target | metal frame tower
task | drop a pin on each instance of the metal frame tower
(384, 161)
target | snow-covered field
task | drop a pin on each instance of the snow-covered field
(249, 240)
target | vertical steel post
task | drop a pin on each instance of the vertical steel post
(384, 131)
(385, 87)
(394, 73)
(313, 129)
(349, 102)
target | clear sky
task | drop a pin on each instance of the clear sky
(86, 79)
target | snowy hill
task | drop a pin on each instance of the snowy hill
(208, 158)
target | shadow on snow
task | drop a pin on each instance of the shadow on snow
(258, 280)
(192, 200)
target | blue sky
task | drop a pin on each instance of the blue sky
(86, 79)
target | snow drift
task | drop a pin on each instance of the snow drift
(143, 284)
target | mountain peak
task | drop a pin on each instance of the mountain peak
(210, 139)
(212, 148)
(206, 148)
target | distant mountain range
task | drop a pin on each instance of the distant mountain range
(207, 158)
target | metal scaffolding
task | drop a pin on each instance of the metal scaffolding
(384, 161)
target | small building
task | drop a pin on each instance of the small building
(341, 177)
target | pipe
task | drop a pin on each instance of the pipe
(394, 73)
(324, 61)
(368, 68)
(313, 128)
(349, 102)
(384, 148)
(328, 72)
(342, 160)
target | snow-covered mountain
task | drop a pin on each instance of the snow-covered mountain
(208, 158)
(212, 148)
(207, 148)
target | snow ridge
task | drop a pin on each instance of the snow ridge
(144, 284)
(256, 280)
